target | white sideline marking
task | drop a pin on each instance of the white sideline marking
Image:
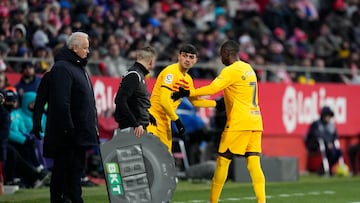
(327, 192)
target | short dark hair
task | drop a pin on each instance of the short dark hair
(231, 46)
(27, 64)
(189, 48)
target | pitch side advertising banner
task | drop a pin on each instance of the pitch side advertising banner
(287, 109)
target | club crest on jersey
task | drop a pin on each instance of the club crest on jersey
(169, 78)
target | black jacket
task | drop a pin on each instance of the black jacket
(42, 97)
(72, 115)
(132, 99)
(320, 130)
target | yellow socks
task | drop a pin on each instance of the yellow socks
(220, 176)
(257, 177)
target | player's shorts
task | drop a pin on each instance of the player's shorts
(163, 131)
(239, 142)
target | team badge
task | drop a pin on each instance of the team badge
(169, 79)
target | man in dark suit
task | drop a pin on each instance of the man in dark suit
(72, 125)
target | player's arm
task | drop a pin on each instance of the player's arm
(218, 84)
(166, 102)
(199, 102)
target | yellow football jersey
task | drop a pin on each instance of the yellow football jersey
(239, 83)
(169, 81)
(163, 107)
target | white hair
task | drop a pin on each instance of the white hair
(74, 39)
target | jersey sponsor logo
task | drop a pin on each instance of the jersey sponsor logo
(169, 78)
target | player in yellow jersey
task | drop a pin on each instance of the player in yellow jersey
(243, 129)
(168, 81)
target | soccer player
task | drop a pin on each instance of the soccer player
(169, 80)
(243, 128)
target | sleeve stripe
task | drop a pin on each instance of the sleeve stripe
(166, 87)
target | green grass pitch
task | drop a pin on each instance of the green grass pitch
(309, 189)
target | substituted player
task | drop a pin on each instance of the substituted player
(170, 79)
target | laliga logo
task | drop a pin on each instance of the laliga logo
(300, 109)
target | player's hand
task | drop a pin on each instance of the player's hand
(180, 94)
(220, 104)
(180, 127)
(139, 131)
(152, 120)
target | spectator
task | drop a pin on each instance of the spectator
(307, 14)
(71, 126)
(43, 65)
(327, 45)
(18, 33)
(29, 81)
(322, 133)
(306, 76)
(115, 64)
(338, 21)
(273, 15)
(353, 65)
(22, 160)
(21, 139)
(320, 75)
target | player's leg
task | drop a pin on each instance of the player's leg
(220, 176)
(163, 131)
(223, 161)
(254, 166)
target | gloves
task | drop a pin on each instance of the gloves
(180, 94)
(152, 120)
(36, 132)
(220, 104)
(180, 127)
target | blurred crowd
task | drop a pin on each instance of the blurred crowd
(307, 33)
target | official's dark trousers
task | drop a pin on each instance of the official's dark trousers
(68, 167)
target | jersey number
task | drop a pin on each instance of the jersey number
(254, 86)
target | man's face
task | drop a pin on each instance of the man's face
(28, 71)
(187, 60)
(327, 118)
(83, 50)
